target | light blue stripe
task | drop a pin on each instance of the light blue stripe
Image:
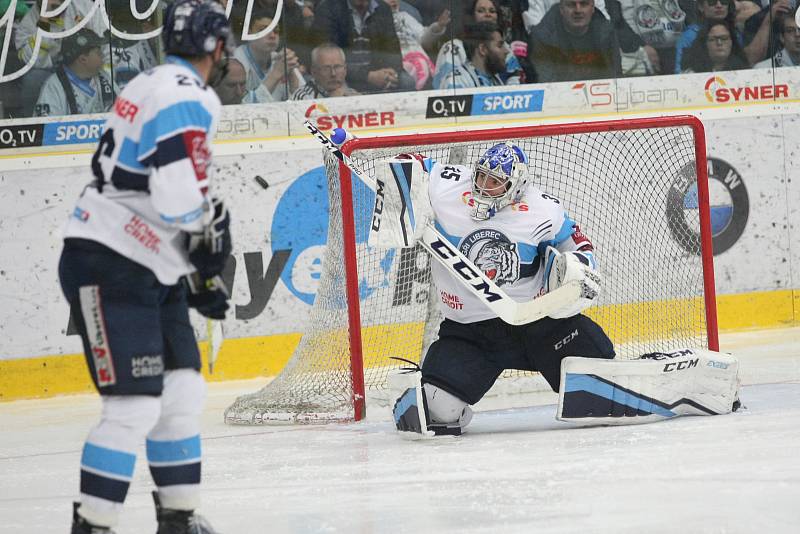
(527, 252)
(581, 382)
(174, 118)
(453, 239)
(183, 219)
(408, 400)
(174, 451)
(111, 461)
(563, 234)
(398, 168)
(128, 155)
(566, 230)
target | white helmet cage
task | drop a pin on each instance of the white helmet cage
(508, 165)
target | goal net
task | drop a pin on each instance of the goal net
(638, 189)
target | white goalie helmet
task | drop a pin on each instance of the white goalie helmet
(500, 178)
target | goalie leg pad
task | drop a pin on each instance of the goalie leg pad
(654, 387)
(410, 410)
(426, 411)
(447, 414)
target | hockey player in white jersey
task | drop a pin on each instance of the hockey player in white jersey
(144, 243)
(524, 241)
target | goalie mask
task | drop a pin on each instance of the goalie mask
(500, 178)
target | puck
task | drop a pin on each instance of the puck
(262, 182)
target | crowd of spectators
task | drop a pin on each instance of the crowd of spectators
(324, 48)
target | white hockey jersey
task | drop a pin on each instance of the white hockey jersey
(508, 248)
(151, 171)
(88, 96)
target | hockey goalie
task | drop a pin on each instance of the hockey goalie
(502, 245)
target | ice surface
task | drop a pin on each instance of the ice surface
(517, 470)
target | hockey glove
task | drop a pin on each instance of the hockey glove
(563, 267)
(209, 251)
(209, 296)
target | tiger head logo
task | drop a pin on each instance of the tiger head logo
(499, 261)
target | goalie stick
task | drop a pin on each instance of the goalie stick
(473, 279)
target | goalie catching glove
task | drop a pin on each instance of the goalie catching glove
(564, 267)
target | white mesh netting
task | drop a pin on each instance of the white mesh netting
(634, 194)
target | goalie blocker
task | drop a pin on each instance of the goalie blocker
(656, 386)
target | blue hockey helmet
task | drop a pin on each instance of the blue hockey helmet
(500, 178)
(193, 27)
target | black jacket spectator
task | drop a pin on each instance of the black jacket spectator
(730, 55)
(376, 47)
(559, 55)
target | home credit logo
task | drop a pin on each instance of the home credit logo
(719, 92)
(327, 121)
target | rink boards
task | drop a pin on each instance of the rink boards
(280, 230)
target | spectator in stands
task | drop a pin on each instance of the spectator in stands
(637, 57)
(487, 52)
(453, 54)
(789, 54)
(129, 57)
(79, 84)
(43, 64)
(715, 49)
(232, 88)
(415, 41)
(575, 42)
(717, 10)
(296, 16)
(10, 91)
(364, 29)
(659, 24)
(273, 71)
(762, 31)
(429, 10)
(328, 74)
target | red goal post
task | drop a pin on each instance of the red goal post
(639, 189)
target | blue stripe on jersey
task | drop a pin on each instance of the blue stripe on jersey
(183, 219)
(176, 474)
(128, 155)
(527, 252)
(111, 461)
(177, 118)
(455, 240)
(174, 451)
(126, 180)
(104, 488)
(567, 229)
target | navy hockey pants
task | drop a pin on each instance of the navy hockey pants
(133, 327)
(466, 359)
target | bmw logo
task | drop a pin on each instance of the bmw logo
(730, 207)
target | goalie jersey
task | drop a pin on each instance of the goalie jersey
(151, 171)
(508, 247)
